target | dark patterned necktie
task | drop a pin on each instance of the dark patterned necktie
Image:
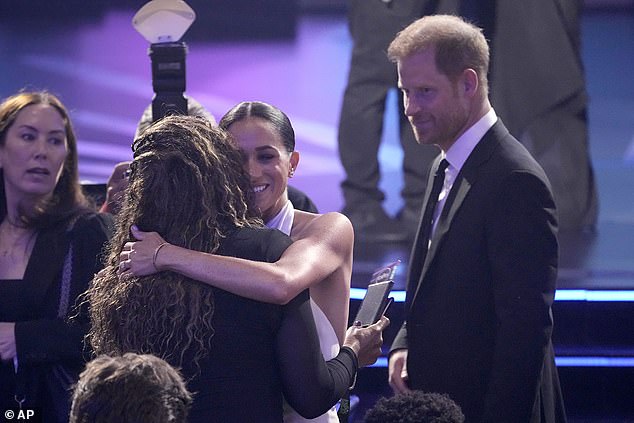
(422, 241)
(432, 201)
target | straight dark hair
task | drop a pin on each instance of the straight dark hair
(264, 111)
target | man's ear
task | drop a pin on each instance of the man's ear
(470, 81)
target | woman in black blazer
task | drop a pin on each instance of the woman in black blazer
(50, 243)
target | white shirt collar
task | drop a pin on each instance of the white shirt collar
(461, 149)
(284, 219)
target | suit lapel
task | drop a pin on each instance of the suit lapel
(415, 262)
(458, 193)
(45, 263)
(464, 181)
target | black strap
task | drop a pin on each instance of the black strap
(344, 408)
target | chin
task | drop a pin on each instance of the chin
(38, 189)
(422, 140)
(263, 208)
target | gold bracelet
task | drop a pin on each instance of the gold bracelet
(163, 244)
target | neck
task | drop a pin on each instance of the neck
(476, 113)
(273, 211)
(13, 217)
(483, 109)
(480, 108)
(15, 211)
(19, 203)
(16, 245)
(15, 225)
(19, 207)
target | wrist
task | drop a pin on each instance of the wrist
(157, 258)
(355, 346)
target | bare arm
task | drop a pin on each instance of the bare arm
(323, 247)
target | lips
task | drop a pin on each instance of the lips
(38, 171)
(418, 121)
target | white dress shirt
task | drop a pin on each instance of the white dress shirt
(458, 154)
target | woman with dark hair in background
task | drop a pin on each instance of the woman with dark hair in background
(50, 242)
(187, 183)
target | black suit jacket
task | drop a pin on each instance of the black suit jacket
(42, 338)
(478, 323)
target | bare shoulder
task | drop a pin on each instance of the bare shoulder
(311, 224)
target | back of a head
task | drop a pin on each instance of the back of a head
(130, 389)
(415, 407)
(194, 108)
(458, 45)
(187, 172)
(187, 183)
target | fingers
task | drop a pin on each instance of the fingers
(127, 255)
(124, 271)
(136, 233)
(124, 265)
(383, 323)
(142, 235)
(397, 370)
(398, 384)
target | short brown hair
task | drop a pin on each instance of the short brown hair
(130, 388)
(458, 45)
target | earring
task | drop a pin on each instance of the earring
(291, 173)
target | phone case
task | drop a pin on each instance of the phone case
(374, 303)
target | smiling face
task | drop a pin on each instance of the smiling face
(268, 162)
(436, 107)
(33, 153)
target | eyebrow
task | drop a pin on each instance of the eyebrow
(54, 131)
(266, 147)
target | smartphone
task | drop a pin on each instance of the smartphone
(375, 303)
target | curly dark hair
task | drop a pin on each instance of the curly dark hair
(130, 388)
(415, 407)
(187, 183)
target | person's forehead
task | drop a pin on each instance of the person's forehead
(417, 68)
(257, 133)
(36, 114)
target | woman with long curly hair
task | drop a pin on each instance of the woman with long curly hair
(320, 258)
(50, 246)
(187, 182)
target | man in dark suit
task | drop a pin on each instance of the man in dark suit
(482, 273)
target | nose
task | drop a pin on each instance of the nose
(253, 168)
(410, 106)
(41, 148)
